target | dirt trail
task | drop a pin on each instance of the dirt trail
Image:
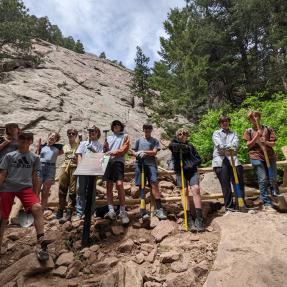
(252, 251)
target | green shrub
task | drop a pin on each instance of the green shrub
(274, 113)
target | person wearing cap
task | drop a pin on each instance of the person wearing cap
(48, 152)
(145, 150)
(9, 142)
(255, 139)
(67, 179)
(19, 177)
(92, 145)
(224, 140)
(190, 160)
(116, 145)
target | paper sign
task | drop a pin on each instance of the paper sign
(93, 164)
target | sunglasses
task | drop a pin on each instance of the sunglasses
(71, 134)
(183, 134)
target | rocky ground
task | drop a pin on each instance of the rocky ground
(162, 255)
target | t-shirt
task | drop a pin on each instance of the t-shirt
(256, 152)
(83, 147)
(8, 148)
(19, 167)
(69, 152)
(147, 144)
(49, 153)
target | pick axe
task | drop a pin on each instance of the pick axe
(106, 139)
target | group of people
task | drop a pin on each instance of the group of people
(29, 175)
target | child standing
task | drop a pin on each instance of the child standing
(48, 152)
(19, 176)
(117, 145)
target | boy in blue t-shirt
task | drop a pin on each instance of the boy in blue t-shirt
(145, 150)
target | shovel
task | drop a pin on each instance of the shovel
(25, 219)
(278, 202)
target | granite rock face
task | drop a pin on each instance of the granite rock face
(68, 90)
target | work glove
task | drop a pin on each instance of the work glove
(91, 147)
(140, 154)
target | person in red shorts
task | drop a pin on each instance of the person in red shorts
(19, 176)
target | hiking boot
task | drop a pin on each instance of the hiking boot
(68, 216)
(42, 250)
(59, 214)
(190, 224)
(160, 214)
(42, 254)
(199, 224)
(124, 217)
(111, 214)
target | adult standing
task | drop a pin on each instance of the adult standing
(67, 179)
(92, 145)
(184, 151)
(224, 140)
(258, 137)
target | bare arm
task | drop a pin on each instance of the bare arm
(4, 143)
(79, 158)
(36, 182)
(3, 174)
(151, 152)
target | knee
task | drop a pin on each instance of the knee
(37, 209)
(195, 190)
(119, 184)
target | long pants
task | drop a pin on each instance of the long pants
(82, 189)
(263, 179)
(225, 176)
(67, 185)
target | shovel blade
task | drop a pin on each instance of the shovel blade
(279, 203)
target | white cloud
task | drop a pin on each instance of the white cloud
(113, 26)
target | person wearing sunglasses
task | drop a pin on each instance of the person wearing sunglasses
(67, 179)
(92, 145)
(191, 160)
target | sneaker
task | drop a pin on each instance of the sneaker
(144, 214)
(160, 214)
(124, 217)
(268, 208)
(111, 214)
(59, 214)
(42, 254)
(199, 224)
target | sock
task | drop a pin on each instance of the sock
(198, 212)
(158, 203)
(122, 208)
(189, 216)
(43, 243)
(111, 207)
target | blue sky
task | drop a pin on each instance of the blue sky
(113, 26)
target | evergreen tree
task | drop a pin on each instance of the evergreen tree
(15, 27)
(103, 55)
(141, 75)
(79, 48)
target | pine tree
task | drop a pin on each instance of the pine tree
(140, 84)
(103, 55)
(79, 48)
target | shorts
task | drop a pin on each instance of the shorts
(150, 173)
(27, 197)
(47, 172)
(114, 171)
(189, 179)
